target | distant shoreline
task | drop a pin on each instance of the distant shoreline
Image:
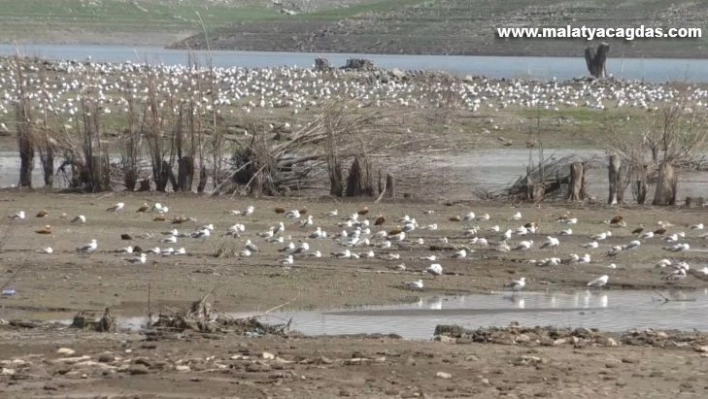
(554, 49)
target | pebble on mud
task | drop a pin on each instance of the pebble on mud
(65, 351)
(443, 375)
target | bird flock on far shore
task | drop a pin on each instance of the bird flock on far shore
(242, 90)
(298, 234)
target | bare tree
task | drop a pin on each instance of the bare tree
(675, 136)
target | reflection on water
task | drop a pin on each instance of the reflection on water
(607, 310)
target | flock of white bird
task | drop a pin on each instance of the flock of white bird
(61, 91)
(361, 237)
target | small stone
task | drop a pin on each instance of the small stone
(522, 338)
(50, 387)
(701, 349)
(443, 338)
(443, 375)
(268, 356)
(106, 358)
(65, 351)
(143, 361)
(560, 341)
(183, 368)
(138, 370)
(7, 371)
(630, 361)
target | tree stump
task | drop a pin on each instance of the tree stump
(390, 186)
(202, 180)
(596, 59)
(322, 64)
(666, 186)
(336, 185)
(144, 185)
(576, 188)
(694, 202)
(130, 179)
(615, 178)
(185, 173)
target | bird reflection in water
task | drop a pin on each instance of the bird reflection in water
(518, 301)
(434, 303)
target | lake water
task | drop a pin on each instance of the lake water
(608, 310)
(649, 69)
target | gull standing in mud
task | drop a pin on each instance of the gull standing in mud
(117, 207)
(414, 285)
(516, 285)
(435, 269)
(599, 282)
(89, 248)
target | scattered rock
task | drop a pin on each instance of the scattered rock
(443, 338)
(268, 356)
(65, 351)
(106, 358)
(138, 370)
(183, 368)
(443, 375)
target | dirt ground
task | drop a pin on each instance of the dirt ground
(57, 286)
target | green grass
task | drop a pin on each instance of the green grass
(120, 16)
(336, 14)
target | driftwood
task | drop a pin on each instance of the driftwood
(87, 321)
(666, 186)
(576, 188)
(200, 317)
(596, 59)
(615, 178)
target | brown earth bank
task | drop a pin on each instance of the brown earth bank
(60, 362)
(58, 285)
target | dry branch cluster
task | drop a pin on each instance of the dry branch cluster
(200, 317)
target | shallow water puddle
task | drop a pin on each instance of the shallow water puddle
(608, 311)
(614, 311)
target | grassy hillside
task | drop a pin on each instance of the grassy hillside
(374, 26)
(467, 27)
(139, 21)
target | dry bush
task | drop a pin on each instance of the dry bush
(293, 161)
